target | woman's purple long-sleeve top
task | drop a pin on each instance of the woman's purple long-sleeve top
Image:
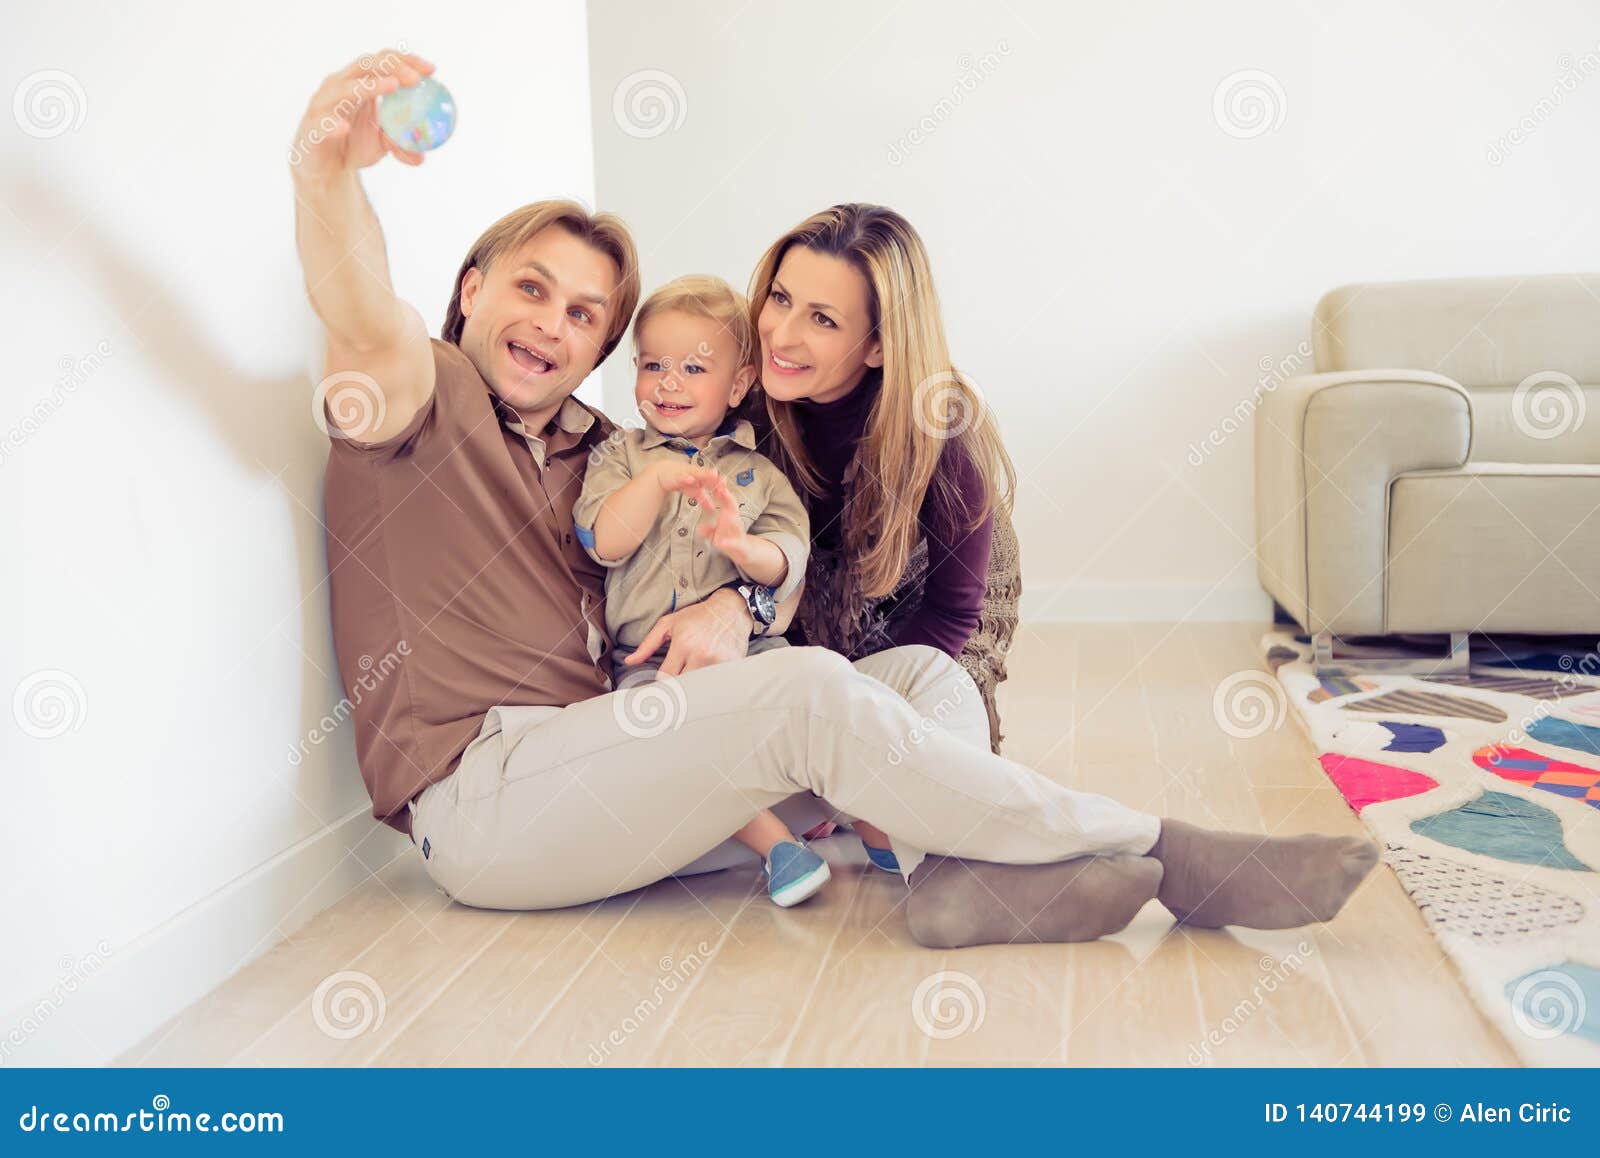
(958, 560)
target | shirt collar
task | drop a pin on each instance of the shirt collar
(573, 417)
(738, 431)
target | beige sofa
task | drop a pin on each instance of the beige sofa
(1440, 471)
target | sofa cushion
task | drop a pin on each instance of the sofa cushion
(1495, 547)
(1479, 331)
(1546, 424)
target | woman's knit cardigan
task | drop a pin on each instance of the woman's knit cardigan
(834, 614)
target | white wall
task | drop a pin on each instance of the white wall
(1115, 266)
(162, 515)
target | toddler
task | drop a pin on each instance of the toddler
(646, 509)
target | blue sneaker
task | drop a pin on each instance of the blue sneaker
(794, 873)
(883, 858)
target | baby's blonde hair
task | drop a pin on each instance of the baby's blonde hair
(704, 296)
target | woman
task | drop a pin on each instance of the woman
(900, 464)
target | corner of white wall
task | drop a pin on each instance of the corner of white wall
(167, 509)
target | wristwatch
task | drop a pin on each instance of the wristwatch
(763, 611)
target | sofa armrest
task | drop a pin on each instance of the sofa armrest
(1328, 446)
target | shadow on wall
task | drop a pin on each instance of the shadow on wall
(266, 423)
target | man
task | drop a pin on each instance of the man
(497, 743)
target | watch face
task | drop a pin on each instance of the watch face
(762, 605)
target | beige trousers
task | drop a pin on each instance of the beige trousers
(560, 806)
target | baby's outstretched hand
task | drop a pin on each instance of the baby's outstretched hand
(725, 531)
(683, 476)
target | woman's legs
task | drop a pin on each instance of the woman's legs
(941, 700)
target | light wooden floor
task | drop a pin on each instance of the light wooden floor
(707, 972)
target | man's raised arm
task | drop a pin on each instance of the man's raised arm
(369, 330)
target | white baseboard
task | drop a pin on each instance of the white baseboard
(115, 1001)
(1142, 603)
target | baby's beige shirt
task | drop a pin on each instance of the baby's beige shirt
(674, 567)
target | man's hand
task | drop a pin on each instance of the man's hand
(714, 630)
(378, 355)
(339, 132)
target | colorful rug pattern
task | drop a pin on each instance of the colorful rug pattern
(1485, 790)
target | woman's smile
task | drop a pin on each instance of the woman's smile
(785, 366)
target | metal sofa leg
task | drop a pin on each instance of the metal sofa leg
(1455, 662)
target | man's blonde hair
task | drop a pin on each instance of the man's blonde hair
(704, 296)
(605, 232)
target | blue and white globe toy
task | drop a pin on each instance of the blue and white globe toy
(419, 118)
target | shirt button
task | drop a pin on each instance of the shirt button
(694, 502)
(699, 460)
(683, 582)
(683, 530)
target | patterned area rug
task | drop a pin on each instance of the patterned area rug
(1485, 791)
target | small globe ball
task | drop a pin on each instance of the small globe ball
(419, 118)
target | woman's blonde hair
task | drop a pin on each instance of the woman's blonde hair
(704, 296)
(923, 408)
(605, 232)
